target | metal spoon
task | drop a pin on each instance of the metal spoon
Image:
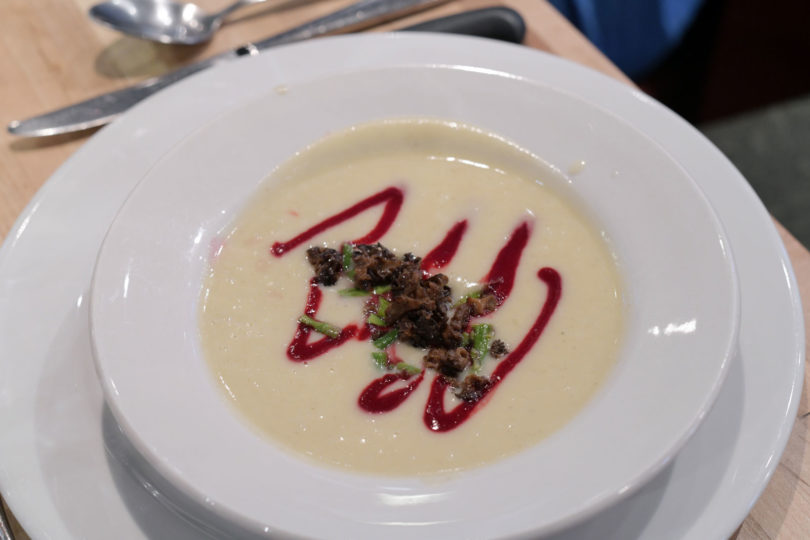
(163, 20)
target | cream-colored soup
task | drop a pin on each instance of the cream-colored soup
(252, 299)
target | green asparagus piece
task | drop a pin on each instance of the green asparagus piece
(382, 306)
(386, 339)
(380, 359)
(481, 336)
(348, 264)
(407, 368)
(320, 326)
(376, 320)
(352, 292)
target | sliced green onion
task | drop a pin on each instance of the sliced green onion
(481, 335)
(465, 339)
(348, 264)
(376, 320)
(382, 289)
(382, 306)
(386, 339)
(407, 368)
(352, 292)
(319, 326)
(380, 359)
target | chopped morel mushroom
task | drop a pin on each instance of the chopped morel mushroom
(327, 263)
(457, 326)
(373, 265)
(417, 309)
(473, 387)
(498, 349)
(481, 305)
(449, 362)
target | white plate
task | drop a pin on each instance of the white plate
(680, 289)
(55, 472)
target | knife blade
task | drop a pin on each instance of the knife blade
(499, 23)
(103, 109)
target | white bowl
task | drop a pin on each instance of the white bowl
(678, 274)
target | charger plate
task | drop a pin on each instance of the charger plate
(65, 469)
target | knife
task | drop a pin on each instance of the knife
(499, 23)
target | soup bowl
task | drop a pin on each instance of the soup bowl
(677, 273)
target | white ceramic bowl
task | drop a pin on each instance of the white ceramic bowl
(678, 274)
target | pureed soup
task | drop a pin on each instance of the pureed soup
(411, 297)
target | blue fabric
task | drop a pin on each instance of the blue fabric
(635, 34)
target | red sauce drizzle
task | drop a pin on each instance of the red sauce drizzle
(501, 276)
(446, 250)
(373, 400)
(437, 419)
(392, 197)
(499, 281)
(300, 350)
(364, 333)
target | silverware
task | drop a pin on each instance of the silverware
(105, 108)
(163, 20)
(5, 528)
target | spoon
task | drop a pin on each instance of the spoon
(163, 20)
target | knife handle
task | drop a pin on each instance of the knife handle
(358, 16)
(500, 23)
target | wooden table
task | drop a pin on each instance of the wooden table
(52, 55)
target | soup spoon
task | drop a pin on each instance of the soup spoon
(163, 20)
